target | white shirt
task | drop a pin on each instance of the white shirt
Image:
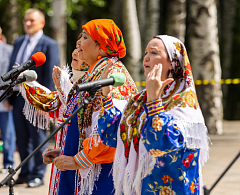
(31, 45)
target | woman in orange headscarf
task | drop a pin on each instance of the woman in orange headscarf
(75, 170)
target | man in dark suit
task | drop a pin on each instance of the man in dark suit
(28, 136)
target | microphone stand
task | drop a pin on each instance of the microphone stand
(8, 180)
(207, 191)
(8, 92)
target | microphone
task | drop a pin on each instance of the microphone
(116, 79)
(37, 59)
(28, 76)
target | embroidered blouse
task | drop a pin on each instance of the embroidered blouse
(153, 152)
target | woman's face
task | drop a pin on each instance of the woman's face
(76, 62)
(87, 49)
(156, 53)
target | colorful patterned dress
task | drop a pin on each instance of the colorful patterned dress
(162, 144)
(81, 133)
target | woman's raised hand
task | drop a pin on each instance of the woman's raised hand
(56, 75)
(109, 68)
(154, 84)
(49, 155)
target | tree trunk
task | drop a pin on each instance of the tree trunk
(204, 57)
(227, 16)
(153, 17)
(117, 12)
(142, 15)
(176, 19)
(14, 23)
(59, 27)
(132, 38)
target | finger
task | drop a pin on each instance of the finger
(151, 73)
(158, 72)
(45, 152)
(107, 70)
(167, 81)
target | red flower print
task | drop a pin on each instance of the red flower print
(53, 92)
(136, 97)
(122, 128)
(30, 100)
(135, 140)
(188, 66)
(125, 144)
(165, 107)
(27, 92)
(183, 50)
(123, 90)
(176, 96)
(187, 160)
(32, 91)
(136, 147)
(137, 112)
(39, 90)
(187, 72)
(127, 150)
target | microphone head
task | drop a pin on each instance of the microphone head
(39, 58)
(119, 79)
(30, 75)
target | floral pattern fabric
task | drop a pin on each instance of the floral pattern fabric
(107, 36)
(176, 167)
(159, 142)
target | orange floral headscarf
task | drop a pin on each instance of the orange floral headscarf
(107, 36)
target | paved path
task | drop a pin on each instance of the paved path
(222, 152)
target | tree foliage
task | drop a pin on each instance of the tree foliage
(79, 12)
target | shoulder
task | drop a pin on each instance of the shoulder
(48, 40)
(8, 47)
(19, 39)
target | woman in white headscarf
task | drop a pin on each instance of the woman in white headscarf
(160, 136)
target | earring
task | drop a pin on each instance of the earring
(99, 57)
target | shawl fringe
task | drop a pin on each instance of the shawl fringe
(35, 116)
(87, 184)
(146, 165)
(116, 176)
(196, 137)
(127, 182)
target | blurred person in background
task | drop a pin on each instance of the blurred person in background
(6, 118)
(29, 136)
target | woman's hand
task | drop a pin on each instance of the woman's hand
(56, 75)
(49, 155)
(109, 68)
(154, 84)
(64, 163)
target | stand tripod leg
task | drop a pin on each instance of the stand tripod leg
(11, 184)
(206, 191)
